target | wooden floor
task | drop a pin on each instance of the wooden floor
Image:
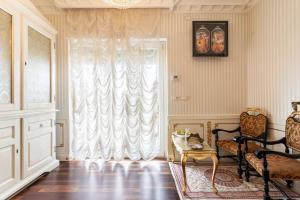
(126, 180)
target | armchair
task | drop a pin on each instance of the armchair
(272, 165)
(251, 125)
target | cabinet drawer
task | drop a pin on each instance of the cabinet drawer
(40, 125)
(37, 143)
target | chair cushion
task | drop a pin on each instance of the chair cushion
(279, 167)
(232, 147)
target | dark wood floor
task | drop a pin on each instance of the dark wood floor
(105, 181)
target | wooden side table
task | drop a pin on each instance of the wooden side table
(186, 152)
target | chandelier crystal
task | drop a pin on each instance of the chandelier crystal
(123, 4)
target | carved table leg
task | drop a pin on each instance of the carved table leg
(183, 164)
(215, 161)
(173, 149)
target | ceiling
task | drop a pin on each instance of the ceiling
(49, 6)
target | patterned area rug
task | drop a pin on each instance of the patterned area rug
(227, 182)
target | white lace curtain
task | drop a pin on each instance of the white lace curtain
(114, 85)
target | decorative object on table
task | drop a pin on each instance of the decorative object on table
(182, 133)
(253, 125)
(192, 140)
(195, 142)
(227, 182)
(210, 38)
(202, 152)
(275, 165)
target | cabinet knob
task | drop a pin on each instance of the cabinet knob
(41, 125)
(17, 151)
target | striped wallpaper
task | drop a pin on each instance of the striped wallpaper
(274, 57)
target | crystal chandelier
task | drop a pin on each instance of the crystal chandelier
(123, 4)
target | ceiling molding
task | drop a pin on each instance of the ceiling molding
(103, 4)
(186, 6)
(215, 6)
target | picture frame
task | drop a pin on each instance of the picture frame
(210, 38)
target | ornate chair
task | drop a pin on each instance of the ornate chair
(272, 165)
(252, 124)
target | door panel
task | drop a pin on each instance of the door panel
(9, 58)
(37, 142)
(39, 67)
(38, 57)
(9, 153)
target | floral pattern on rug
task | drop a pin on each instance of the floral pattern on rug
(227, 182)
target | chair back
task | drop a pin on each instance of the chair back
(254, 125)
(292, 131)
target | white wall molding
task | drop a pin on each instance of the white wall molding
(186, 6)
(216, 7)
(205, 117)
(277, 127)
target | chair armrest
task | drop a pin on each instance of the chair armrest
(262, 153)
(246, 139)
(215, 131)
(239, 139)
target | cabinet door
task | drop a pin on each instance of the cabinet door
(9, 58)
(9, 153)
(38, 143)
(38, 67)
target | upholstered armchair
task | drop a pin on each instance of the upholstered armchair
(253, 125)
(272, 165)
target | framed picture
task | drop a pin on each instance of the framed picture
(210, 38)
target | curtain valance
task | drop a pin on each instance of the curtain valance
(113, 23)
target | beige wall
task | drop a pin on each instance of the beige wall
(274, 57)
(213, 85)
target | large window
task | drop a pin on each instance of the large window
(115, 92)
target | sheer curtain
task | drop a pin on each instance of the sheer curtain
(114, 87)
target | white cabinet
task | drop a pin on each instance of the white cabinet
(9, 153)
(27, 96)
(38, 143)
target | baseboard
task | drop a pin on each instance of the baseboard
(23, 183)
(62, 157)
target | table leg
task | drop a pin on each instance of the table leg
(183, 164)
(173, 149)
(215, 161)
